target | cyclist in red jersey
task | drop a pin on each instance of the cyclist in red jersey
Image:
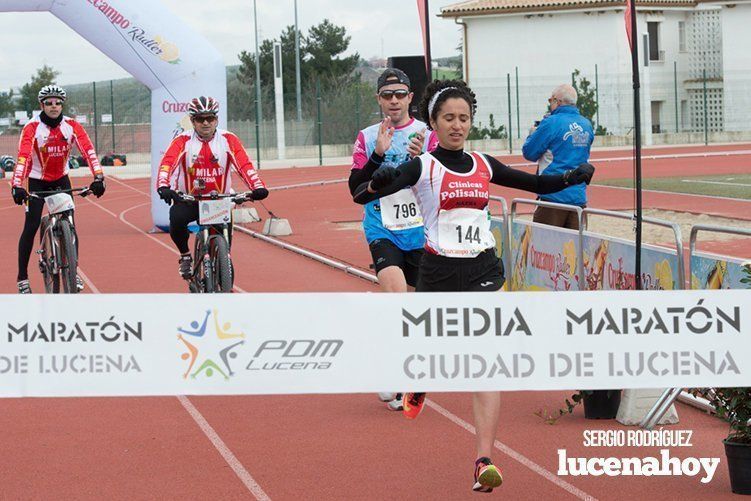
(198, 161)
(43, 152)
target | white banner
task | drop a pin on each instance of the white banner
(170, 344)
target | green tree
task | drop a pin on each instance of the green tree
(6, 103)
(44, 76)
(489, 132)
(324, 44)
(320, 57)
(586, 102)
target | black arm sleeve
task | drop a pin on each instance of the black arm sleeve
(513, 178)
(409, 174)
(359, 176)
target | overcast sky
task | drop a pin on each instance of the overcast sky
(378, 28)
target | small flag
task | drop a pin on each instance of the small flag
(627, 16)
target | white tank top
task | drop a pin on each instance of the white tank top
(455, 207)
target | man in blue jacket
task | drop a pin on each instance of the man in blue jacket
(560, 142)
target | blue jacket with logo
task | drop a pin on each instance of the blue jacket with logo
(560, 143)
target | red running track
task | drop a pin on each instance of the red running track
(286, 447)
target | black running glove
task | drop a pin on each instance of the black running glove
(383, 177)
(166, 194)
(582, 174)
(19, 195)
(97, 187)
(259, 194)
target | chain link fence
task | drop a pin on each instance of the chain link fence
(680, 105)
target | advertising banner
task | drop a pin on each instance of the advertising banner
(543, 258)
(710, 271)
(174, 344)
(609, 264)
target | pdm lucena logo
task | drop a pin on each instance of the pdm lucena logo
(211, 347)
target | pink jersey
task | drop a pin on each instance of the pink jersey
(43, 152)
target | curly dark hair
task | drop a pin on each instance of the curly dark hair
(460, 90)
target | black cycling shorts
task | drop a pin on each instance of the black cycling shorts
(455, 274)
(385, 253)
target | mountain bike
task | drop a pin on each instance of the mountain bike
(212, 264)
(58, 255)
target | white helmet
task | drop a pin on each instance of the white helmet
(51, 91)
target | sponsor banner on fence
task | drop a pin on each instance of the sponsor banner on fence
(609, 264)
(168, 344)
(543, 258)
(710, 271)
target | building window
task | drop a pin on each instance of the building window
(682, 36)
(685, 123)
(653, 29)
(656, 109)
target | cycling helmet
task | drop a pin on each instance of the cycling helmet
(203, 106)
(51, 91)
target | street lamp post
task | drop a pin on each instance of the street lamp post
(258, 90)
(297, 68)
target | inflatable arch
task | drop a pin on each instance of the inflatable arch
(158, 49)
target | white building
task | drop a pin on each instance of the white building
(544, 41)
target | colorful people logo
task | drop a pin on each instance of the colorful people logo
(212, 354)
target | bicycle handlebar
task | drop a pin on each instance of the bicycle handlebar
(82, 192)
(237, 198)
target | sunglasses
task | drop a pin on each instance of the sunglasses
(205, 119)
(388, 94)
(53, 103)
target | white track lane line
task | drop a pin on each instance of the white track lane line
(724, 183)
(552, 477)
(226, 453)
(88, 281)
(200, 420)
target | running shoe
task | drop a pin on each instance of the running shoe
(397, 403)
(79, 283)
(487, 476)
(185, 266)
(413, 403)
(386, 397)
(24, 287)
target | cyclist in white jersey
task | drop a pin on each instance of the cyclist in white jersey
(452, 190)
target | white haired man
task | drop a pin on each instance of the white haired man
(560, 142)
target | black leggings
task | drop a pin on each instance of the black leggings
(180, 215)
(34, 208)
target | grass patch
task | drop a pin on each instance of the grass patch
(731, 186)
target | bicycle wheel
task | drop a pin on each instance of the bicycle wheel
(68, 258)
(200, 281)
(219, 252)
(46, 257)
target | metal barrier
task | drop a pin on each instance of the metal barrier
(658, 222)
(717, 229)
(570, 208)
(506, 234)
(671, 394)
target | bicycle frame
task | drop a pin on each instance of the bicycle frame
(205, 270)
(50, 256)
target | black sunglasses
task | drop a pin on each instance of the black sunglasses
(388, 94)
(204, 119)
(52, 103)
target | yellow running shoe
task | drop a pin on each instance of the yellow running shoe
(413, 403)
(487, 476)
